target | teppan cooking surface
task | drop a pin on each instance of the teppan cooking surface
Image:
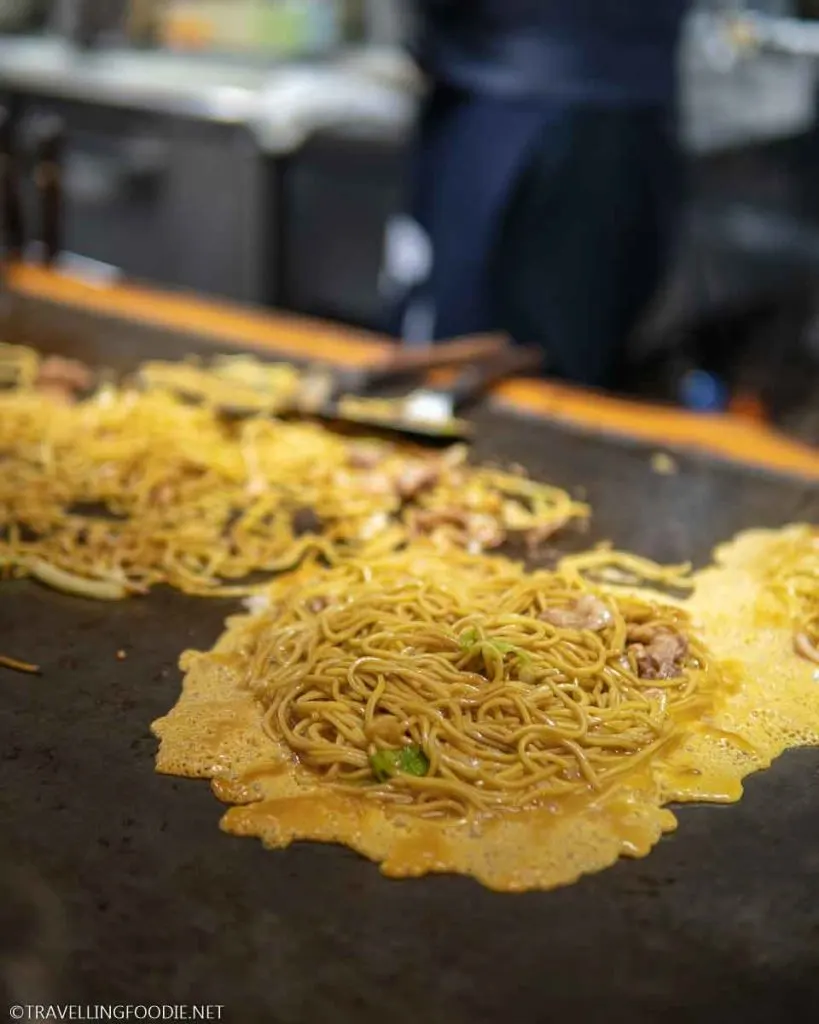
(720, 923)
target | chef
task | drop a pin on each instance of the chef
(543, 179)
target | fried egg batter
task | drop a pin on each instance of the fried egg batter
(770, 702)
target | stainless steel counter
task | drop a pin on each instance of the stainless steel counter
(215, 91)
(281, 103)
(726, 99)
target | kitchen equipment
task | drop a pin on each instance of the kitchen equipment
(331, 383)
(342, 395)
(432, 412)
(426, 412)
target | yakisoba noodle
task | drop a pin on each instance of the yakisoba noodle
(131, 488)
(464, 685)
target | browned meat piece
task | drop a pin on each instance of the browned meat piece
(58, 393)
(805, 647)
(538, 534)
(376, 482)
(162, 494)
(658, 651)
(483, 531)
(478, 530)
(416, 477)
(64, 373)
(425, 520)
(317, 604)
(364, 456)
(306, 521)
(640, 632)
(588, 612)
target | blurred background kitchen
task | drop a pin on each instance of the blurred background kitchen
(256, 150)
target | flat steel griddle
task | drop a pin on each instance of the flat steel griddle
(719, 924)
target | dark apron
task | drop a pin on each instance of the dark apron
(547, 220)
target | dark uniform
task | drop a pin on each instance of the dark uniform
(544, 176)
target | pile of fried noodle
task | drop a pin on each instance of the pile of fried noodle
(461, 685)
(133, 485)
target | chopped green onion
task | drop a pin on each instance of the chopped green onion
(468, 638)
(410, 760)
(470, 641)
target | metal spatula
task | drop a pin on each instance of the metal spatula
(319, 388)
(323, 386)
(433, 412)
